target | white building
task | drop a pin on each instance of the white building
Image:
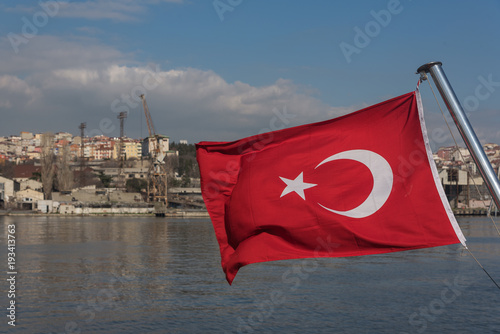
(149, 144)
(31, 184)
(460, 154)
(458, 177)
(26, 135)
(63, 136)
(48, 206)
(7, 190)
(28, 198)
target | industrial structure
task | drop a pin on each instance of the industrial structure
(121, 117)
(157, 173)
(82, 153)
(121, 177)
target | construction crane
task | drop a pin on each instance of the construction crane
(157, 173)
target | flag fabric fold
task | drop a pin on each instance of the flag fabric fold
(360, 184)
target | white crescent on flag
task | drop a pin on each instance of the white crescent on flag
(382, 181)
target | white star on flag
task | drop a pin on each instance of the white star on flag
(296, 185)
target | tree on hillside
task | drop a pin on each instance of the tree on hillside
(104, 179)
(185, 181)
(186, 163)
(136, 185)
(64, 173)
(47, 160)
(7, 169)
(37, 176)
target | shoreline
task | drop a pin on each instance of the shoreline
(176, 213)
(171, 214)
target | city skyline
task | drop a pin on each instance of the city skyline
(223, 70)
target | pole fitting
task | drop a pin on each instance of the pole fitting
(426, 67)
(423, 76)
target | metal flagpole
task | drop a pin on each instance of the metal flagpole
(464, 127)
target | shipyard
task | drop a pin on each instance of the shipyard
(102, 182)
(230, 166)
(64, 174)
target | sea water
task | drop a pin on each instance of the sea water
(162, 275)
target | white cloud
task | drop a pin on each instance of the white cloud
(184, 103)
(80, 76)
(101, 9)
(15, 89)
(18, 9)
(198, 103)
(54, 84)
(115, 10)
(70, 82)
(45, 53)
(89, 30)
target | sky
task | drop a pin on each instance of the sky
(226, 69)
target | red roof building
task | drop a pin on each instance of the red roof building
(26, 171)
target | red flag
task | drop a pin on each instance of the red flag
(364, 183)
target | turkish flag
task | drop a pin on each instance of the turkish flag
(360, 184)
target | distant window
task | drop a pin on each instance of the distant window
(453, 175)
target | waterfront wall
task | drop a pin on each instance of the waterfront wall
(69, 209)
